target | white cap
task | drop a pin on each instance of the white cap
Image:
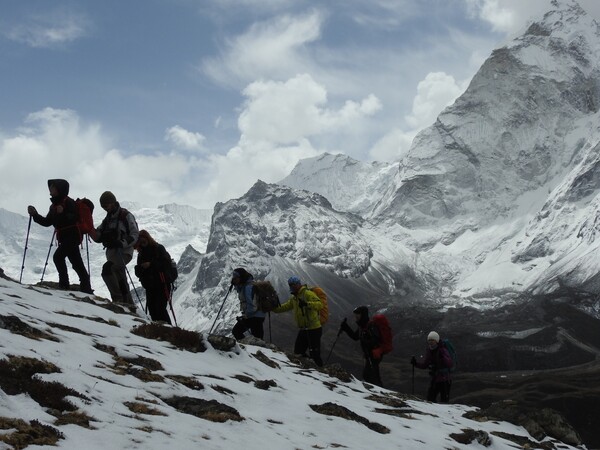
(433, 336)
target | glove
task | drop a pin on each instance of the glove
(413, 361)
(376, 353)
(345, 327)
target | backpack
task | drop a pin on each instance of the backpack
(452, 351)
(172, 271)
(385, 332)
(265, 296)
(323, 312)
(85, 220)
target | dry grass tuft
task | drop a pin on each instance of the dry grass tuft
(182, 339)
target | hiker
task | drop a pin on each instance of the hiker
(251, 319)
(153, 263)
(63, 215)
(370, 338)
(118, 232)
(306, 305)
(438, 360)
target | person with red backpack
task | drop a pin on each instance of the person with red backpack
(118, 232)
(375, 338)
(63, 215)
(439, 362)
(306, 305)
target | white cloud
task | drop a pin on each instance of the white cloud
(437, 91)
(184, 139)
(506, 16)
(287, 112)
(270, 49)
(49, 30)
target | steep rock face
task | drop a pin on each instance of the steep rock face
(515, 128)
(273, 221)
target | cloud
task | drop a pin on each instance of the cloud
(184, 139)
(506, 16)
(49, 30)
(434, 93)
(287, 112)
(271, 49)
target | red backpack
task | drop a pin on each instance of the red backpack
(85, 220)
(385, 331)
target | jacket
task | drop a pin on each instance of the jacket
(121, 227)
(438, 361)
(65, 223)
(159, 260)
(308, 316)
(370, 339)
(245, 293)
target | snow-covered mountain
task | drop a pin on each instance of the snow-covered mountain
(501, 192)
(78, 372)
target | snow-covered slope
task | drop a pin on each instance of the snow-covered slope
(77, 373)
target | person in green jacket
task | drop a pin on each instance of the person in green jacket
(306, 305)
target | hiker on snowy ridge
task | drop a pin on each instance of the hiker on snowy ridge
(438, 360)
(118, 232)
(306, 305)
(370, 337)
(251, 318)
(63, 215)
(152, 269)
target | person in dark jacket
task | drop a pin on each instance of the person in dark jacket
(438, 360)
(63, 215)
(370, 341)
(118, 232)
(152, 269)
(251, 319)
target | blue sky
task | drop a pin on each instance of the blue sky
(192, 101)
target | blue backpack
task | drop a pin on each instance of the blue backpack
(452, 351)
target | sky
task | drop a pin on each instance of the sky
(190, 102)
(125, 394)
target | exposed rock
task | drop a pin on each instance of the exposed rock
(223, 343)
(539, 423)
(469, 435)
(331, 409)
(205, 409)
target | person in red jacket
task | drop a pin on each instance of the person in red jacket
(438, 360)
(370, 341)
(63, 215)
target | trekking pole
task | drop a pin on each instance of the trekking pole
(120, 252)
(413, 380)
(48, 255)
(87, 250)
(334, 342)
(270, 336)
(25, 251)
(220, 309)
(169, 294)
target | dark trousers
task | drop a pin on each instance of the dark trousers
(309, 340)
(254, 324)
(371, 372)
(439, 387)
(156, 301)
(70, 249)
(114, 274)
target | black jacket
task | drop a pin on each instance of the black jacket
(66, 222)
(159, 260)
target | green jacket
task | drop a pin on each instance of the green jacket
(307, 317)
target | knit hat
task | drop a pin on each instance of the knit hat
(294, 280)
(433, 336)
(106, 198)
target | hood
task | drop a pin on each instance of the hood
(61, 185)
